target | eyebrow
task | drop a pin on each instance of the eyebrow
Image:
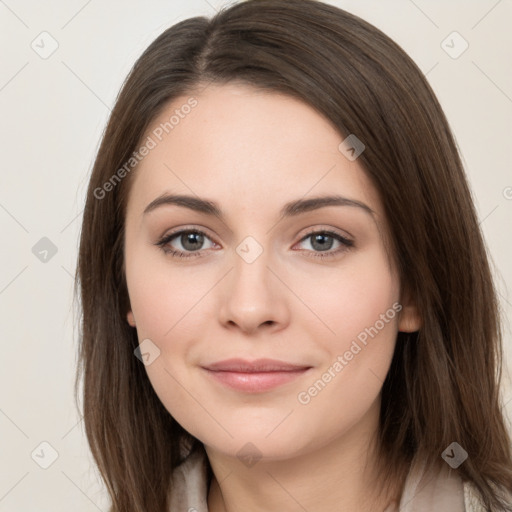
(290, 209)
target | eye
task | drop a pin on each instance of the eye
(323, 240)
(191, 241)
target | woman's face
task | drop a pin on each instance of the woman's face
(255, 283)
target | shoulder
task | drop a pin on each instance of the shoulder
(439, 488)
(188, 490)
(472, 501)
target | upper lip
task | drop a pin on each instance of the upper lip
(258, 365)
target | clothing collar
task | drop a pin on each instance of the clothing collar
(439, 491)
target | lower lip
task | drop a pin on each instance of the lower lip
(255, 382)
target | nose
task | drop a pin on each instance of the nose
(253, 297)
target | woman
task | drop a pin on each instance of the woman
(287, 302)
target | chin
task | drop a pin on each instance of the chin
(252, 449)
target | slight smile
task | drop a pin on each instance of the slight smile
(254, 376)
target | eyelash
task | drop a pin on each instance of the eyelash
(346, 244)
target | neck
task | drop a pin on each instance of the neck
(341, 475)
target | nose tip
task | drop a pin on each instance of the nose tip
(252, 298)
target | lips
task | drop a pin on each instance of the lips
(254, 376)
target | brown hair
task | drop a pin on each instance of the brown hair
(444, 380)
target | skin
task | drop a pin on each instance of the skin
(251, 152)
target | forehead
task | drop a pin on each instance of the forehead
(246, 148)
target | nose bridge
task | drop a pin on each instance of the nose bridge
(250, 281)
(252, 294)
(250, 275)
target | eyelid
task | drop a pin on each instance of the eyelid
(186, 228)
(312, 229)
(328, 229)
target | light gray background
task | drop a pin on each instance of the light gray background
(53, 112)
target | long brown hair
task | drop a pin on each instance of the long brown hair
(444, 380)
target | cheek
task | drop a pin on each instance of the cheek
(160, 294)
(365, 320)
(360, 305)
(166, 304)
(352, 298)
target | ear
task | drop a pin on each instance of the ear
(410, 319)
(130, 318)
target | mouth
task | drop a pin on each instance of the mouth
(256, 376)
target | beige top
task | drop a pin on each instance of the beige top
(441, 492)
